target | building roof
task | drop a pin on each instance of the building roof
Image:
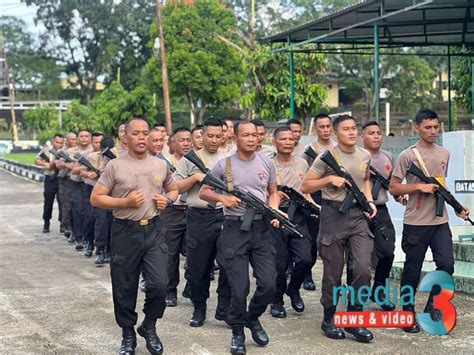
(400, 23)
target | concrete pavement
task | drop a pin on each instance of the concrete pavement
(54, 300)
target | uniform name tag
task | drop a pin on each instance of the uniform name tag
(464, 186)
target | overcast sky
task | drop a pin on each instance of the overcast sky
(18, 9)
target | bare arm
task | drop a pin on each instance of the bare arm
(185, 185)
(273, 196)
(44, 164)
(312, 182)
(396, 187)
(100, 198)
(208, 194)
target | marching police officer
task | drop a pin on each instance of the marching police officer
(64, 182)
(338, 230)
(297, 128)
(290, 171)
(323, 129)
(51, 187)
(203, 224)
(422, 228)
(384, 245)
(236, 247)
(133, 186)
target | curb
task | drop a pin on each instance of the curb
(27, 171)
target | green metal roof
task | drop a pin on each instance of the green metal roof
(400, 22)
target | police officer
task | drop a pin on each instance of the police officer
(323, 129)
(90, 178)
(261, 134)
(156, 141)
(422, 228)
(203, 224)
(77, 191)
(290, 171)
(252, 172)
(51, 187)
(384, 245)
(196, 135)
(174, 218)
(64, 183)
(339, 230)
(297, 128)
(133, 186)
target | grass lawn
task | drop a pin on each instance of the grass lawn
(24, 158)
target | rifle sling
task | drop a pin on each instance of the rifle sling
(228, 174)
(421, 161)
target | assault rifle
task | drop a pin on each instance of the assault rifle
(59, 154)
(378, 182)
(310, 152)
(168, 163)
(442, 195)
(297, 200)
(353, 192)
(45, 157)
(86, 163)
(254, 204)
(108, 153)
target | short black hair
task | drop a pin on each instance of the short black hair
(159, 124)
(340, 119)
(84, 130)
(117, 126)
(181, 129)
(425, 114)
(237, 125)
(281, 129)
(214, 122)
(197, 128)
(370, 123)
(293, 121)
(97, 134)
(320, 116)
(107, 142)
(257, 122)
(58, 135)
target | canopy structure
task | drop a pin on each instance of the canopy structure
(384, 24)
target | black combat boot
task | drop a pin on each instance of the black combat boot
(237, 344)
(108, 255)
(89, 249)
(67, 231)
(385, 302)
(172, 298)
(362, 335)
(46, 226)
(148, 331)
(296, 300)
(277, 310)
(429, 307)
(187, 290)
(79, 244)
(259, 335)
(222, 308)
(100, 256)
(308, 284)
(71, 239)
(199, 314)
(328, 327)
(415, 328)
(129, 341)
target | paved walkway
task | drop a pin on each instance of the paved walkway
(54, 300)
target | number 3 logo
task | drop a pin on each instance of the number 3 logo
(442, 301)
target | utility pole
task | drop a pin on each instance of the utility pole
(164, 69)
(10, 85)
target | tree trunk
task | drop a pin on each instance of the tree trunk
(189, 96)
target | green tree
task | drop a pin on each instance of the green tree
(29, 66)
(93, 37)
(79, 116)
(270, 91)
(42, 118)
(202, 68)
(463, 83)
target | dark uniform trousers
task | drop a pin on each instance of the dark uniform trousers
(415, 243)
(138, 248)
(102, 227)
(78, 208)
(64, 197)
(235, 249)
(384, 246)
(336, 233)
(51, 192)
(174, 221)
(291, 249)
(89, 218)
(203, 228)
(313, 227)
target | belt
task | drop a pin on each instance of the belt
(179, 207)
(205, 210)
(337, 205)
(142, 222)
(257, 217)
